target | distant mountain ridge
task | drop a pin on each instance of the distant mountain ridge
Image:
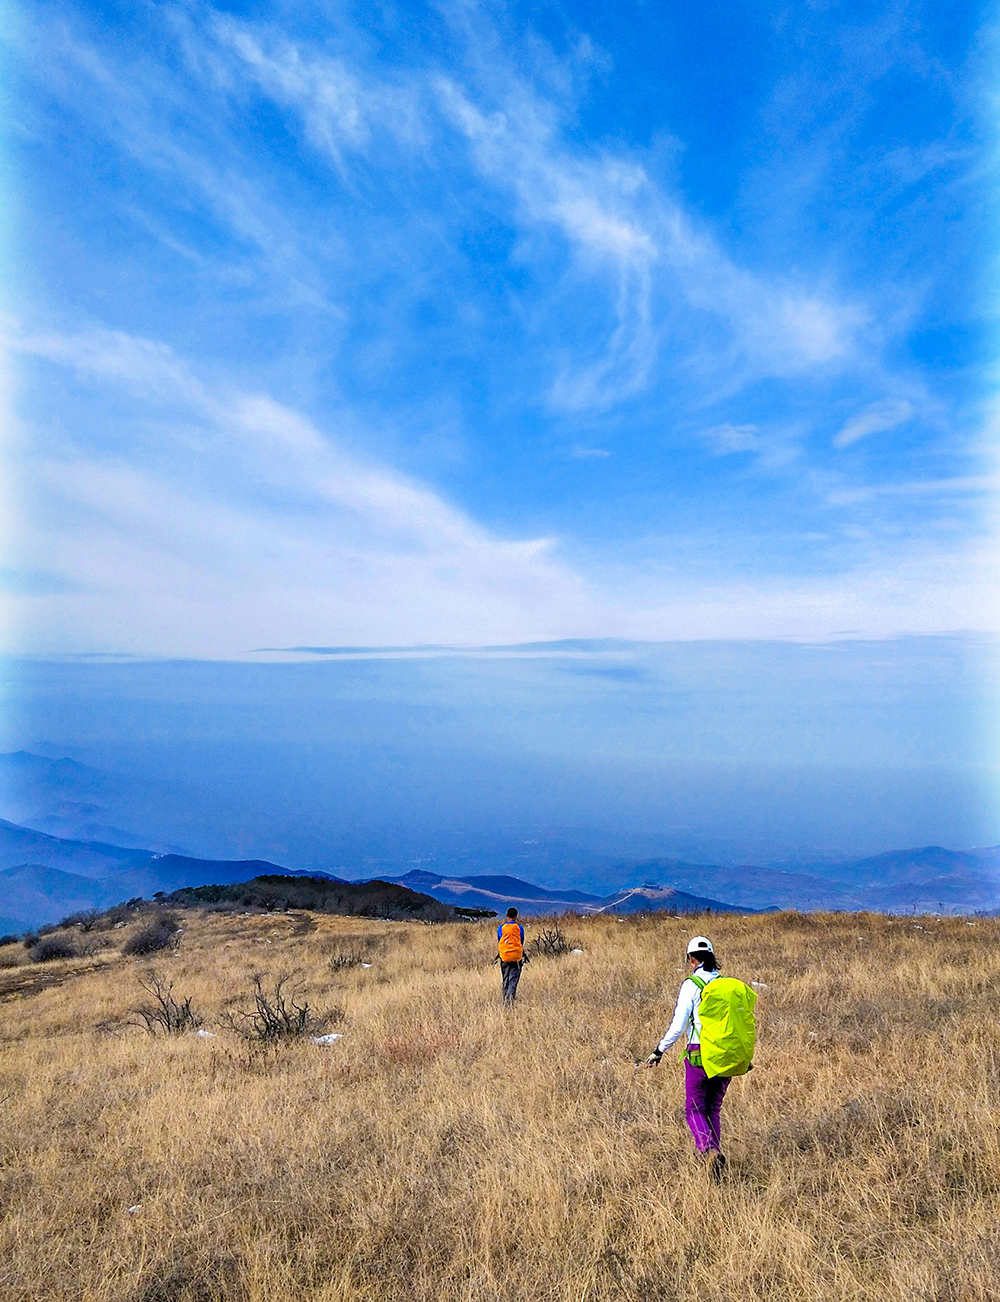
(52, 876)
(32, 894)
(86, 858)
(649, 899)
(488, 891)
(927, 879)
(40, 885)
(67, 799)
(500, 892)
(45, 873)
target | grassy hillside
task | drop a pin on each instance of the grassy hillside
(445, 1149)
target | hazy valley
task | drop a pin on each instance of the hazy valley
(46, 874)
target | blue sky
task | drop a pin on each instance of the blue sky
(478, 323)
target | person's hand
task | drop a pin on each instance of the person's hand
(654, 1059)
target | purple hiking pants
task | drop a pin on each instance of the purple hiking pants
(704, 1096)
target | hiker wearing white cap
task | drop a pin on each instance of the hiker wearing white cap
(728, 1038)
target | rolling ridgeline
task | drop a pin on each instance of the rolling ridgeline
(45, 877)
(62, 852)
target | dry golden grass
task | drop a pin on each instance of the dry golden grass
(449, 1149)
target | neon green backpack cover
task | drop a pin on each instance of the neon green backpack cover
(728, 1026)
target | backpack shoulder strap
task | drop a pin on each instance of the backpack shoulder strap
(697, 981)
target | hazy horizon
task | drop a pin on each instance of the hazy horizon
(752, 751)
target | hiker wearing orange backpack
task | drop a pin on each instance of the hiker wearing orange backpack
(510, 952)
(717, 1014)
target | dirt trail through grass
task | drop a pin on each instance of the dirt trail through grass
(20, 982)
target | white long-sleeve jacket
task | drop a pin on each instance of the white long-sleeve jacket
(686, 1012)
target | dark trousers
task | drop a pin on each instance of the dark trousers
(510, 974)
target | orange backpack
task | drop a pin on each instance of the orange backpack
(509, 942)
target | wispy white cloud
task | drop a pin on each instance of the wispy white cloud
(237, 523)
(936, 488)
(180, 129)
(215, 515)
(771, 447)
(910, 164)
(724, 439)
(875, 419)
(631, 239)
(623, 225)
(281, 531)
(341, 107)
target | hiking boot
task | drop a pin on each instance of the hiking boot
(716, 1166)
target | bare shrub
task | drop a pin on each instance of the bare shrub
(277, 1015)
(163, 1013)
(117, 917)
(551, 942)
(156, 935)
(348, 958)
(85, 919)
(370, 946)
(8, 940)
(52, 947)
(94, 945)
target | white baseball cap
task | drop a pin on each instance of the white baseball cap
(700, 945)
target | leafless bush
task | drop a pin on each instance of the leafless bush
(347, 958)
(52, 947)
(370, 946)
(93, 945)
(8, 940)
(156, 935)
(117, 917)
(163, 1013)
(551, 942)
(85, 919)
(277, 1015)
